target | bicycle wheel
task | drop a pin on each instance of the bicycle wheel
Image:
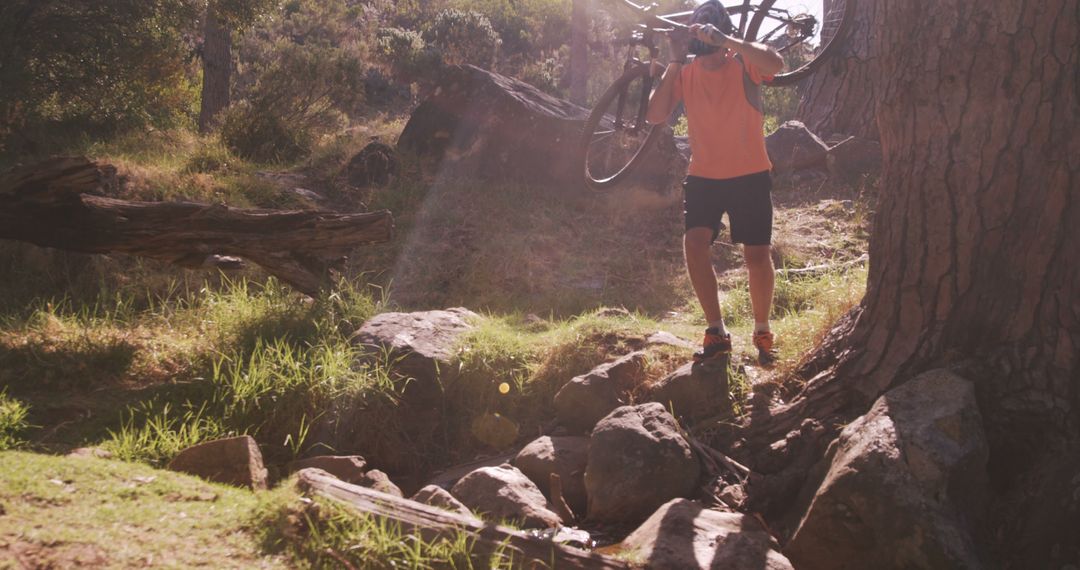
(805, 32)
(616, 133)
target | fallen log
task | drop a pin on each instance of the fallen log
(432, 523)
(61, 203)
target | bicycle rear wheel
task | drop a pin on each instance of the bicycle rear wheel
(805, 32)
(616, 134)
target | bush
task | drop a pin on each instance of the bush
(258, 133)
(406, 55)
(12, 422)
(464, 37)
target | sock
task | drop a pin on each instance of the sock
(762, 327)
(718, 327)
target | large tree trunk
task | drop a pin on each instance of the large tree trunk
(975, 259)
(840, 98)
(217, 70)
(579, 52)
(60, 204)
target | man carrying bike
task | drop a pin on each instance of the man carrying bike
(729, 167)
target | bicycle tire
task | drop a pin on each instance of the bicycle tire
(824, 52)
(596, 115)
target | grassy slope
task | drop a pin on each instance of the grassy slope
(151, 359)
(66, 512)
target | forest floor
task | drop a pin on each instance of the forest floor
(148, 359)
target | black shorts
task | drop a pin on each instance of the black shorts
(746, 199)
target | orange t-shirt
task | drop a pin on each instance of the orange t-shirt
(724, 113)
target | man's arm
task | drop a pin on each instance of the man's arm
(767, 60)
(663, 99)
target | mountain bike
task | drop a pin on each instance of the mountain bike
(616, 135)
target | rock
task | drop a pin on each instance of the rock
(638, 461)
(495, 430)
(566, 456)
(375, 165)
(904, 485)
(794, 147)
(693, 391)
(854, 157)
(613, 313)
(91, 452)
(234, 461)
(503, 492)
(380, 482)
(420, 344)
(348, 468)
(438, 497)
(480, 123)
(682, 535)
(664, 338)
(587, 398)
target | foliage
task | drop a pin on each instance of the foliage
(302, 76)
(13, 422)
(406, 54)
(323, 534)
(103, 64)
(464, 37)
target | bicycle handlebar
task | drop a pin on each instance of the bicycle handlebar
(644, 10)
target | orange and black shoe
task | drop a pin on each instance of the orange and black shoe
(714, 346)
(763, 341)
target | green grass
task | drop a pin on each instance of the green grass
(323, 534)
(13, 422)
(70, 512)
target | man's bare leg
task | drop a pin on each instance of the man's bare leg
(762, 282)
(696, 248)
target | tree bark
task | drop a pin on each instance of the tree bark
(60, 204)
(217, 70)
(841, 97)
(975, 258)
(579, 52)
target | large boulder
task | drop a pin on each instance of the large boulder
(682, 535)
(585, 399)
(436, 496)
(638, 461)
(905, 485)
(793, 147)
(234, 461)
(480, 123)
(348, 468)
(420, 344)
(565, 456)
(693, 391)
(504, 493)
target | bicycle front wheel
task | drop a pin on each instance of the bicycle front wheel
(805, 32)
(616, 134)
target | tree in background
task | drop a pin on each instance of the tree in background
(219, 19)
(87, 64)
(579, 51)
(841, 97)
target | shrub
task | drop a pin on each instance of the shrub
(464, 36)
(406, 55)
(12, 421)
(257, 132)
